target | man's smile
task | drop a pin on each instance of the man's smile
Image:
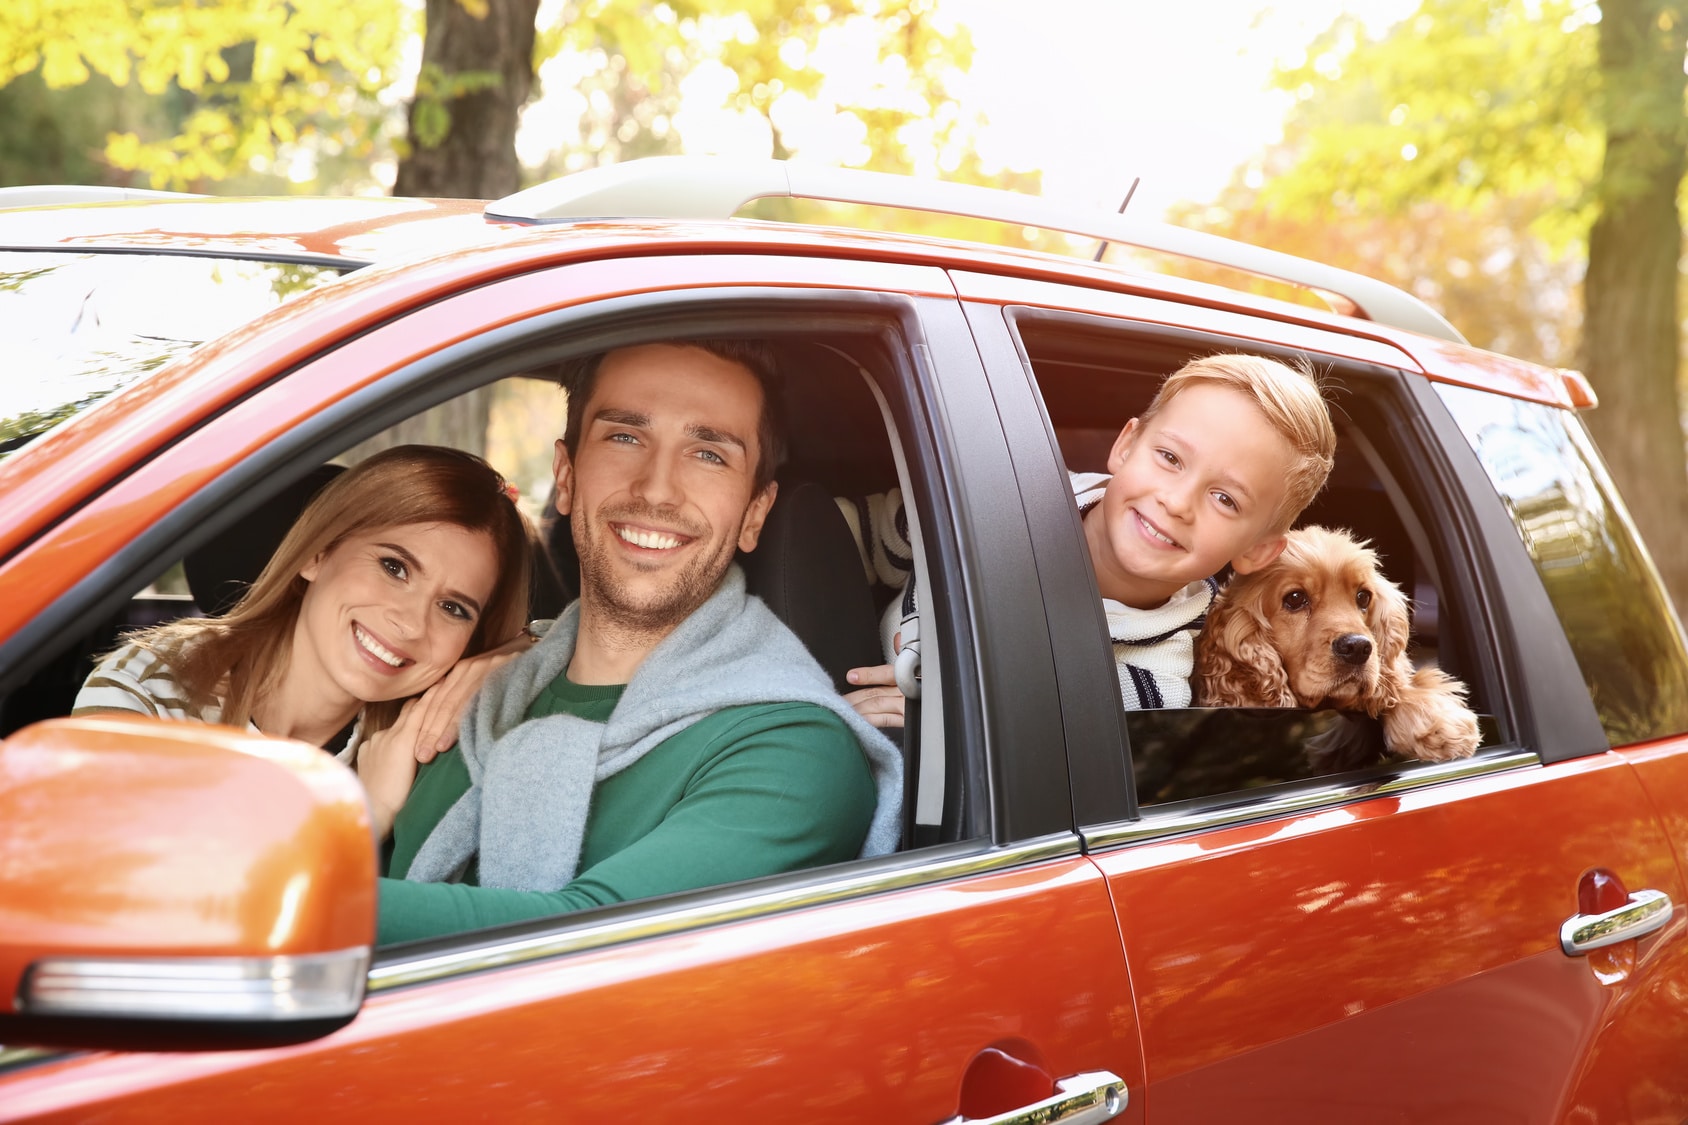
(649, 539)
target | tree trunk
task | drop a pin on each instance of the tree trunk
(480, 71)
(461, 423)
(1631, 338)
(491, 58)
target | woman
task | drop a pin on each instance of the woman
(398, 569)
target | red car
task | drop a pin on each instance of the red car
(1158, 916)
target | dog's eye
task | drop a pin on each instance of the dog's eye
(1295, 601)
(1363, 599)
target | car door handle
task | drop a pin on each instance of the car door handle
(1645, 912)
(1081, 1099)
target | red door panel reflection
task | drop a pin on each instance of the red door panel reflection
(868, 1010)
(1394, 959)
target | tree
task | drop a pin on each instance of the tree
(257, 82)
(1509, 289)
(1574, 108)
(1631, 334)
(477, 74)
(773, 62)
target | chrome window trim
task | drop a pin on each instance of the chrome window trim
(1411, 776)
(500, 953)
(15, 1058)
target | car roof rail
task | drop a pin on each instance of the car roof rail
(49, 195)
(714, 187)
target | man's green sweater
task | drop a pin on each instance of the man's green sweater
(746, 791)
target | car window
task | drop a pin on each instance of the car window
(1092, 382)
(79, 327)
(839, 446)
(1603, 587)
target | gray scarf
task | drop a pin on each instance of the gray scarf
(532, 779)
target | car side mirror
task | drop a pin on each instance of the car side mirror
(179, 885)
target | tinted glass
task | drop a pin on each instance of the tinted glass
(81, 326)
(1601, 582)
(1191, 754)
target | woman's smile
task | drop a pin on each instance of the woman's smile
(381, 653)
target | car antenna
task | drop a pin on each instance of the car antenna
(1102, 247)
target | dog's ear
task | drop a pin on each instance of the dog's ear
(1391, 626)
(1236, 663)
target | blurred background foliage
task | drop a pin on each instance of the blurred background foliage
(1514, 163)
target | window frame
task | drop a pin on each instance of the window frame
(999, 831)
(1589, 463)
(1439, 495)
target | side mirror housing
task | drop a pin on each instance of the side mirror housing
(179, 885)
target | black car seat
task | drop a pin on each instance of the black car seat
(219, 572)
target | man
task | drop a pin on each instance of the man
(668, 732)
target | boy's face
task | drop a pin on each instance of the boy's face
(1195, 488)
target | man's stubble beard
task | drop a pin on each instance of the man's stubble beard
(618, 613)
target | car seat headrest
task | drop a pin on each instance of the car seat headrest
(807, 568)
(220, 572)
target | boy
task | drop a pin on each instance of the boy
(1216, 470)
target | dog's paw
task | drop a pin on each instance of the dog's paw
(1432, 722)
(1454, 737)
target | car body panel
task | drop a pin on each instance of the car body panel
(869, 1010)
(1663, 768)
(1274, 959)
(351, 231)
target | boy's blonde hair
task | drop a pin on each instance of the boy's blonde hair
(1293, 404)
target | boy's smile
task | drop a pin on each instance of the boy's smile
(1199, 486)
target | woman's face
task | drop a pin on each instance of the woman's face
(388, 612)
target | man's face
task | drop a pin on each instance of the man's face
(661, 488)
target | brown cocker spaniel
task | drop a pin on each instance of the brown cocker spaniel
(1321, 627)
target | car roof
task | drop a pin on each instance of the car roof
(346, 232)
(685, 204)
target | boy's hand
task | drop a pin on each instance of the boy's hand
(880, 702)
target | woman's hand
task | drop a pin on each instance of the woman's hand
(386, 764)
(442, 706)
(881, 702)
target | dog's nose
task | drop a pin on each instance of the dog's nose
(1352, 648)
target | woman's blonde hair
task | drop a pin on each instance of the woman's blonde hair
(242, 655)
(1294, 406)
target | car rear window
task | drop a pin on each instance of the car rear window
(1609, 599)
(78, 327)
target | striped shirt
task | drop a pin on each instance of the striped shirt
(140, 680)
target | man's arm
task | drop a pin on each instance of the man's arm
(793, 791)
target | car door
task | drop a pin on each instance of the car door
(1387, 946)
(967, 977)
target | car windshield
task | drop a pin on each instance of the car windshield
(79, 326)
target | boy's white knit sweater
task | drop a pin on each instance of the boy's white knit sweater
(1154, 649)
